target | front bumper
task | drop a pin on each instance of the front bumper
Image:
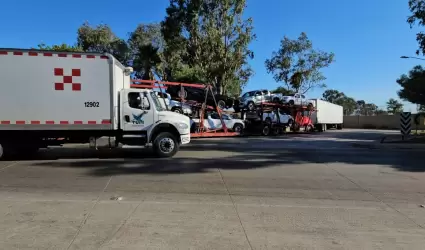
(185, 139)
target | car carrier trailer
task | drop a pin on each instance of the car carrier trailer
(52, 98)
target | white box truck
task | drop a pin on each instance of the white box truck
(51, 98)
(327, 115)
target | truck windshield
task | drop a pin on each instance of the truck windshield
(156, 102)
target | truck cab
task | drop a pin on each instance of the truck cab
(144, 120)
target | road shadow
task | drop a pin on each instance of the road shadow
(238, 154)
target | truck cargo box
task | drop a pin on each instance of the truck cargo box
(327, 113)
(44, 90)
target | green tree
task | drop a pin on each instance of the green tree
(298, 65)
(367, 109)
(381, 112)
(282, 90)
(394, 106)
(413, 86)
(62, 47)
(334, 96)
(101, 39)
(417, 8)
(211, 38)
(146, 45)
(349, 105)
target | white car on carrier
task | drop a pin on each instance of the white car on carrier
(213, 122)
(281, 118)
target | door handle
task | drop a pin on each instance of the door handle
(127, 118)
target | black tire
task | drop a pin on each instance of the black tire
(230, 102)
(1, 152)
(290, 123)
(184, 94)
(251, 105)
(237, 109)
(165, 145)
(266, 130)
(339, 126)
(238, 128)
(275, 131)
(194, 128)
(291, 102)
(276, 100)
(177, 110)
(221, 104)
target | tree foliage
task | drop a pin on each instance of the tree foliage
(282, 90)
(298, 65)
(146, 45)
(62, 47)
(101, 39)
(334, 96)
(394, 106)
(366, 109)
(413, 86)
(208, 39)
(417, 8)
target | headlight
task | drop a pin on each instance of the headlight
(182, 126)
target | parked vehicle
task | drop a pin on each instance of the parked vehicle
(174, 106)
(328, 115)
(294, 99)
(252, 98)
(278, 117)
(212, 122)
(198, 95)
(52, 98)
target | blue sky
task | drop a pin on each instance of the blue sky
(367, 36)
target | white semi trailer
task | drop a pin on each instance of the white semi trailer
(50, 98)
(327, 115)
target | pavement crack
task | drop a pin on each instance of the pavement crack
(376, 197)
(108, 239)
(8, 166)
(83, 222)
(235, 207)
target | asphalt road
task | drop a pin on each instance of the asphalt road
(320, 191)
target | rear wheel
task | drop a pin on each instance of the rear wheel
(221, 104)
(266, 130)
(238, 128)
(1, 152)
(251, 106)
(165, 145)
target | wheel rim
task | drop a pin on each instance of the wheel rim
(166, 145)
(266, 130)
(251, 106)
(221, 104)
(238, 128)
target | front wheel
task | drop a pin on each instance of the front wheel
(221, 104)
(1, 152)
(165, 145)
(251, 106)
(177, 110)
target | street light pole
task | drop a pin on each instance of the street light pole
(412, 57)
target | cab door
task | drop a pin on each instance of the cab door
(137, 110)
